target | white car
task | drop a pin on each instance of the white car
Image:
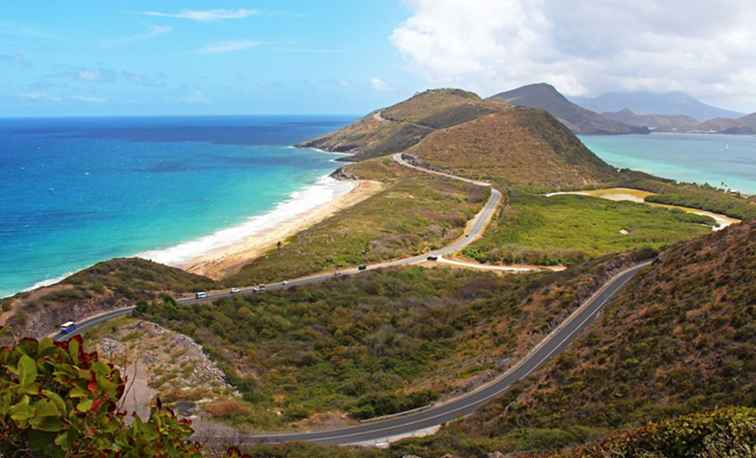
(235, 290)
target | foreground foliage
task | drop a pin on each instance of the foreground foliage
(57, 400)
(727, 432)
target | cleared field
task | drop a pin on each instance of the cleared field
(565, 229)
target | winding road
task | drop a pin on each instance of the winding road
(432, 416)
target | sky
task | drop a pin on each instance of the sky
(110, 58)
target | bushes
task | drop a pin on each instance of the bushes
(377, 405)
(728, 432)
(58, 400)
(570, 229)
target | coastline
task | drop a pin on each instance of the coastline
(224, 260)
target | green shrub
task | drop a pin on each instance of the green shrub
(56, 400)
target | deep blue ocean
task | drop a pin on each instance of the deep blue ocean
(77, 191)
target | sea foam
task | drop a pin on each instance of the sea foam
(325, 190)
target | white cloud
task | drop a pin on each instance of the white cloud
(586, 47)
(205, 15)
(39, 96)
(88, 99)
(42, 96)
(378, 84)
(195, 97)
(221, 47)
(152, 32)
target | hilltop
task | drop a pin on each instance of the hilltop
(105, 286)
(578, 119)
(400, 126)
(665, 103)
(520, 147)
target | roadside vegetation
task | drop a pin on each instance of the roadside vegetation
(104, 286)
(569, 229)
(416, 212)
(679, 339)
(379, 343)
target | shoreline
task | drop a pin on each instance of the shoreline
(222, 261)
(639, 196)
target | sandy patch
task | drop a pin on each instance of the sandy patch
(228, 260)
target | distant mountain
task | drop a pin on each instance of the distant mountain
(578, 119)
(668, 103)
(661, 123)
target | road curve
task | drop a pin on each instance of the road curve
(476, 227)
(463, 405)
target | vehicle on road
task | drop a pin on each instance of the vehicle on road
(261, 287)
(285, 282)
(362, 267)
(235, 290)
(338, 274)
(433, 257)
(200, 295)
(68, 327)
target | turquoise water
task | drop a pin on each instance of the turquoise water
(719, 160)
(77, 191)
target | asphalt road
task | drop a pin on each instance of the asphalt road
(476, 229)
(94, 321)
(437, 415)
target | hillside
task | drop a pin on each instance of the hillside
(661, 123)
(104, 286)
(578, 119)
(680, 338)
(400, 126)
(668, 103)
(523, 147)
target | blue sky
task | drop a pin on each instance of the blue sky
(200, 57)
(109, 57)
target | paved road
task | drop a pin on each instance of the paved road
(437, 415)
(94, 321)
(475, 229)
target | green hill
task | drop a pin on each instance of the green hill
(520, 147)
(398, 127)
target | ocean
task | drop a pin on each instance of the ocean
(720, 160)
(77, 191)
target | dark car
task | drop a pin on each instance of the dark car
(362, 267)
(433, 257)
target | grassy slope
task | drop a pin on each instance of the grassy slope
(406, 123)
(415, 212)
(380, 342)
(567, 229)
(104, 286)
(680, 338)
(525, 148)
